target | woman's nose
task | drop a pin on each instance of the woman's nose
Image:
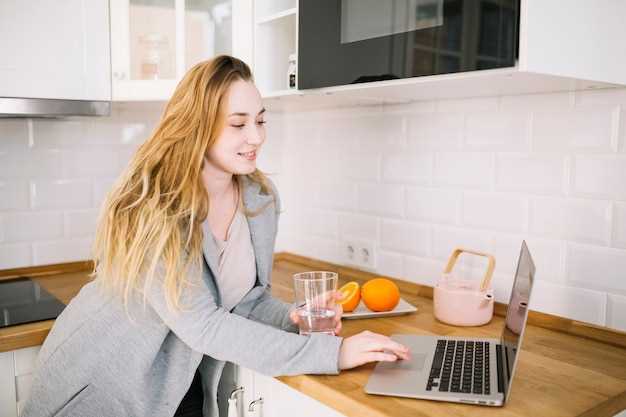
(255, 137)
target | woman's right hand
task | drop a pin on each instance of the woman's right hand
(367, 347)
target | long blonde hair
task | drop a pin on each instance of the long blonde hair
(152, 217)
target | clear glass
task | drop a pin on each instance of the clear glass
(152, 25)
(315, 301)
(208, 30)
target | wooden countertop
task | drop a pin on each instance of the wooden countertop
(566, 368)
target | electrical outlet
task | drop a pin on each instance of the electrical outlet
(359, 253)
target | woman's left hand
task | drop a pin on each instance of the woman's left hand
(293, 315)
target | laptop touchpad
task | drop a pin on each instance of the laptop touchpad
(416, 363)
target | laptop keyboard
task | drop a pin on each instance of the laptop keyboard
(460, 366)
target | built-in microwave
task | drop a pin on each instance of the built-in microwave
(351, 41)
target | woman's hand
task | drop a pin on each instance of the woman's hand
(367, 347)
(293, 315)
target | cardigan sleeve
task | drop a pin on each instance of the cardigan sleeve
(213, 331)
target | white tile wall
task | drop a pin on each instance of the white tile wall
(482, 173)
(54, 174)
(415, 179)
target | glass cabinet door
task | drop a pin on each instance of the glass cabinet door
(208, 30)
(152, 37)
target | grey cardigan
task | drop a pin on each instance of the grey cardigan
(96, 362)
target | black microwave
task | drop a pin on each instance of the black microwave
(352, 41)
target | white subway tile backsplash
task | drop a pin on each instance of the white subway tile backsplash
(401, 236)
(435, 131)
(596, 267)
(357, 226)
(499, 132)
(464, 105)
(15, 255)
(13, 134)
(31, 164)
(375, 134)
(423, 271)
(14, 195)
(415, 168)
(446, 239)
(576, 303)
(337, 195)
(530, 173)
(32, 226)
(495, 211)
(101, 188)
(61, 194)
(464, 169)
(381, 199)
(547, 256)
(321, 223)
(600, 176)
(619, 225)
(359, 167)
(600, 97)
(432, 205)
(45, 253)
(389, 264)
(616, 312)
(537, 102)
(89, 163)
(60, 133)
(588, 130)
(80, 223)
(575, 219)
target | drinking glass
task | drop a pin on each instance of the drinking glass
(315, 301)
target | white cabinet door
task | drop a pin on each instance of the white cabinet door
(8, 400)
(281, 400)
(55, 49)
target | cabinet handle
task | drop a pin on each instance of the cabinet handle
(253, 404)
(233, 408)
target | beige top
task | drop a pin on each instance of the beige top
(236, 263)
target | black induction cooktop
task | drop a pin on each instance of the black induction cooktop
(23, 300)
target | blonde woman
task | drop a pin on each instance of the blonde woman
(183, 254)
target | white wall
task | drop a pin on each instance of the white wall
(420, 179)
(416, 180)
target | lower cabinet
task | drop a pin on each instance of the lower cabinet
(265, 396)
(16, 375)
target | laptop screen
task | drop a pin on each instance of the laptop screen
(516, 314)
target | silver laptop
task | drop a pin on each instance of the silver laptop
(458, 369)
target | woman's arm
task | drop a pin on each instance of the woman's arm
(212, 330)
(272, 311)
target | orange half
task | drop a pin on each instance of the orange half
(351, 295)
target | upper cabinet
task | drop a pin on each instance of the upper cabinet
(55, 50)
(359, 52)
(154, 42)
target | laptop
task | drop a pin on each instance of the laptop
(457, 369)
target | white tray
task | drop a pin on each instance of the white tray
(362, 312)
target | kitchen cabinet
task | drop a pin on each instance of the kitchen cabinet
(154, 42)
(55, 50)
(569, 47)
(16, 373)
(265, 396)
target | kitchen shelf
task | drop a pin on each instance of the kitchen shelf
(485, 83)
(277, 16)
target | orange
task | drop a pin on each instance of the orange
(351, 295)
(380, 294)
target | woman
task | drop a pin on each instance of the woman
(183, 256)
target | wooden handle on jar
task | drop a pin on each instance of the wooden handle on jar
(491, 265)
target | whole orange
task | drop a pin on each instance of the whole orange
(380, 294)
(351, 295)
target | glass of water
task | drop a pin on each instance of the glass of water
(315, 301)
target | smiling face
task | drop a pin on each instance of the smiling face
(237, 146)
